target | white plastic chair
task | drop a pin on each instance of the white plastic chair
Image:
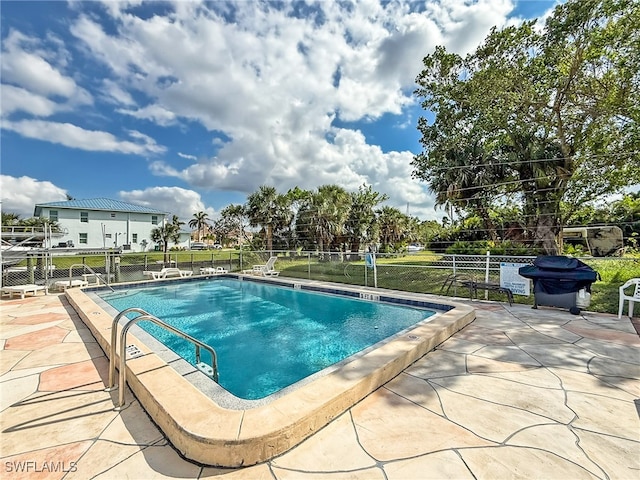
(267, 270)
(634, 297)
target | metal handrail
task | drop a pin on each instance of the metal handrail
(123, 358)
(98, 277)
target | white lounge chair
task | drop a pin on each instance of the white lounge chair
(167, 272)
(23, 289)
(64, 284)
(212, 270)
(267, 270)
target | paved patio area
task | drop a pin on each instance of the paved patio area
(519, 393)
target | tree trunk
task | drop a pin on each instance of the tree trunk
(488, 223)
(355, 248)
(546, 232)
(270, 238)
(165, 250)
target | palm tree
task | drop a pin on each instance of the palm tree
(283, 221)
(10, 218)
(393, 226)
(262, 208)
(329, 208)
(361, 223)
(165, 233)
(199, 222)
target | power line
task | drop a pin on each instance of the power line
(537, 160)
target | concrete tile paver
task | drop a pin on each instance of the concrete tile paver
(434, 466)
(617, 457)
(566, 443)
(334, 448)
(522, 463)
(156, 461)
(15, 390)
(519, 393)
(390, 427)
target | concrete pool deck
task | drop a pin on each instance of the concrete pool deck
(518, 393)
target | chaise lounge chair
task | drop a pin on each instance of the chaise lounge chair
(63, 285)
(267, 270)
(22, 290)
(212, 270)
(167, 272)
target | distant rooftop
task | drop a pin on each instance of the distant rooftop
(98, 204)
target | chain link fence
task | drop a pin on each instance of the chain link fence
(421, 272)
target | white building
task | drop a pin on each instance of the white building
(103, 223)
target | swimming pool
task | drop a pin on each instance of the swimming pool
(266, 336)
(206, 430)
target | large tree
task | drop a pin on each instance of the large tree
(232, 222)
(544, 116)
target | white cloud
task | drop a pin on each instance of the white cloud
(114, 93)
(154, 113)
(26, 64)
(76, 137)
(20, 194)
(15, 99)
(271, 81)
(175, 200)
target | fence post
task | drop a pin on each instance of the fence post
(486, 275)
(365, 272)
(370, 262)
(455, 281)
(309, 265)
(30, 271)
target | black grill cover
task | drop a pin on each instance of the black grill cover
(555, 274)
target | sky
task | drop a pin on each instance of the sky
(190, 106)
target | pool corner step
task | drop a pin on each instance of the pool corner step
(204, 368)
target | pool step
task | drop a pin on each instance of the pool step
(205, 368)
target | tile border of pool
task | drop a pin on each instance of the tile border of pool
(205, 432)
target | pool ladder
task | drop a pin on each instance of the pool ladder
(212, 371)
(97, 276)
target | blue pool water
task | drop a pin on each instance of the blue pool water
(266, 337)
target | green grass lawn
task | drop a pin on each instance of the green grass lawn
(406, 274)
(418, 273)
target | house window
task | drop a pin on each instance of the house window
(107, 235)
(83, 238)
(154, 219)
(53, 215)
(113, 215)
(134, 237)
(84, 217)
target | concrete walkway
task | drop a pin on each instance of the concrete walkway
(519, 393)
